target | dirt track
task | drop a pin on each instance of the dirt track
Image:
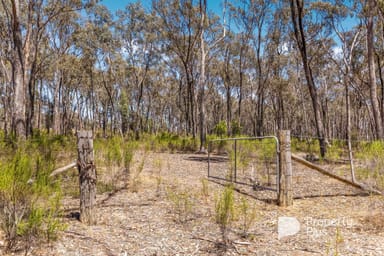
(148, 222)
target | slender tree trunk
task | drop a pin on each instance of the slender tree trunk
(241, 75)
(380, 67)
(348, 110)
(18, 75)
(297, 12)
(372, 74)
(19, 102)
(56, 103)
(227, 85)
(202, 79)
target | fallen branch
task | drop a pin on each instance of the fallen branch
(241, 243)
(329, 174)
(63, 169)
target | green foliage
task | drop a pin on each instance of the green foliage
(225, 211)
(111, 154)
(182, 204)
(158, 169)
(115, 151)
(372, 156)
(247, 216)
(308, 145)
(235, 128)
(204, 188)
(336, 150)
(103, 187)
(221, 146)
(128, 155)
(335, 251)
(167, 142)
(135, 179)
(114, 154)
(221, 129)
(30, 202)
(249, 152)
(371, 150)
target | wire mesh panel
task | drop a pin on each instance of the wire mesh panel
(249, 161)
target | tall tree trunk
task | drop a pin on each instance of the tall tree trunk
(372, 74)
(19, 119)
(260, 113)
(297, 13)
(56, 103)
(202, 78)
(348, 110)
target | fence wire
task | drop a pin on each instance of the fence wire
(367, 157)
(248, 161)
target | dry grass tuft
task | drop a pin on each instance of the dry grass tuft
(374, 222)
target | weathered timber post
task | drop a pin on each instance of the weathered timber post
(285, 169)
(87, 176)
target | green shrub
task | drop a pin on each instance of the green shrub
(221, 129)
(225, 211)
(204, 188)
(372, 156)
(182, 203)
(29, 202)
(235, 128)
(135, 178)
(247, 216)
(167, 142)
(307, 145)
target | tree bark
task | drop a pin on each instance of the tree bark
(18, 74)
(56, 104)
(372, 73)
(202, 79)
(87, 176)
(297, 12)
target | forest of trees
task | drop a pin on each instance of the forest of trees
(314, 67)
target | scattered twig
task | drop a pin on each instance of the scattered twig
(241, 243)
(63, 169)
(203, 239)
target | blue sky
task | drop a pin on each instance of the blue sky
(114, 5)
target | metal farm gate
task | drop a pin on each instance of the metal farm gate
(252, 161)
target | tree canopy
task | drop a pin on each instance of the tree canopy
(314, 67)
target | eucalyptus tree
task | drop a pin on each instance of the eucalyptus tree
(277, 52)
(180, 23)
(57, 52)
(25, 23)
(371, 10)
(335, 14)
(93, 42)
(228, 74)
(209, 40)
(303, 31)
(140, 48)
(252, 18)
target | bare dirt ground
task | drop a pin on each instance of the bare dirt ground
(334, 218)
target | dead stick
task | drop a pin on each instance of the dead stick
(63, 169)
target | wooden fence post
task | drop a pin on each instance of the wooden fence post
(87, 176)
(285, 169)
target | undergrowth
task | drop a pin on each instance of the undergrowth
(29, 200)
